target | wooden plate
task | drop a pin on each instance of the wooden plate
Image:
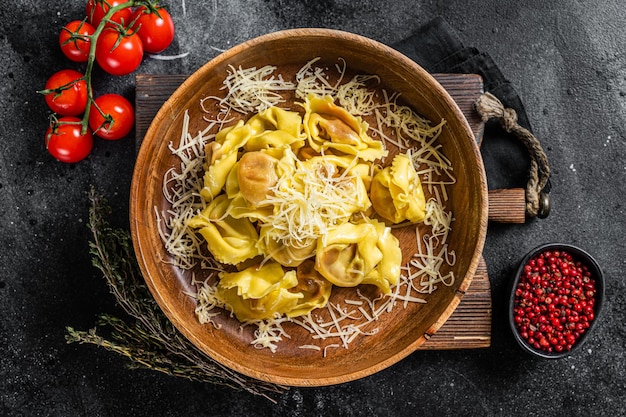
(400, 332)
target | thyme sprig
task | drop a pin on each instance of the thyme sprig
(147, 337)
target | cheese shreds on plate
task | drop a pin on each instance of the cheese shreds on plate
(248, 91)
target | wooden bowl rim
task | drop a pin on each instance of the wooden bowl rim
(179, 322)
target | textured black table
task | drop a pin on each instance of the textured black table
(566, 59)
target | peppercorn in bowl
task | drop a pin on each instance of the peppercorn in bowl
(555, 300)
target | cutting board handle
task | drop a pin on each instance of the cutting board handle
(507, 205)
(515, 204)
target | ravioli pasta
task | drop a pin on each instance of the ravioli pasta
(298, 202)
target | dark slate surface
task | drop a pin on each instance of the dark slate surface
(567, 60)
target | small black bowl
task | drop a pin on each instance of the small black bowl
(596, 273)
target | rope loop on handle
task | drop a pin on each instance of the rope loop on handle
(537, 201)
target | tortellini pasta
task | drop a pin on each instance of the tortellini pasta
(319, 173)
(259, 293)
(275, 128)
(220, 163)
(332, 128)
(396, 192)
(256, 175)
(229, 240)
(285, 253)
(272, 128)
(349, 254)
(314, 288)
(387, 272)
(363, 253)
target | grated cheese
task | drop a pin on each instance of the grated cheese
(208, 304)
(269, 333)
(309, 205)
(181, 188)
(311, 79)
(313, 347)
(252, 90)
(331, 346)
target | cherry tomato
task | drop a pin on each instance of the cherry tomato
(155, 30)
(74, 40)
(97, 9)
(66, 142)
(66, 93)
(119, 120)
(119, 53)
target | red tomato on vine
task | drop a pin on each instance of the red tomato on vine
(119, 52)
(75, 40)
(111, 117)
(66, 142)
(156, 29)
(66, 92)
(97, 9)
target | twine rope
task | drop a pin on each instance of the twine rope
(489, 107)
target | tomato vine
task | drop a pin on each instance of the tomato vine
(121, 54)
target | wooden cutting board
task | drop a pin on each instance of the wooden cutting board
(469, 326)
